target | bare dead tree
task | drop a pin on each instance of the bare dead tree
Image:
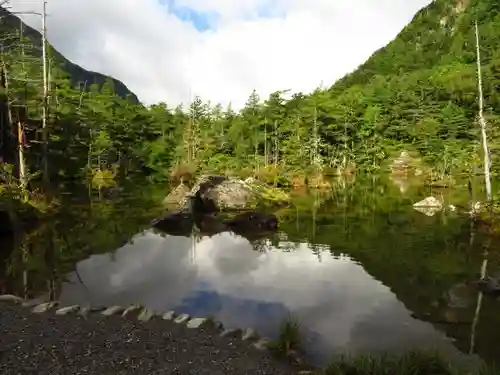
(45, 94)
(482, 121)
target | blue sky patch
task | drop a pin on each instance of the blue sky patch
(202, 21)
(269, 10)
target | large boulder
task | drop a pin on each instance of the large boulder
(227, 194)
(177, 198)
(219, 193)
(405, 164)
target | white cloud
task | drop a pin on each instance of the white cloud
(298, 45)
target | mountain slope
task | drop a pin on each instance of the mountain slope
(419, 93)
(441, 33)
(9, 24)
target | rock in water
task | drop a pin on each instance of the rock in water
(405, 164)
(429, 202)
(428, 206)
(253, 222)
(220, 193)
(175, 223)
(177, 197)
(489, 286)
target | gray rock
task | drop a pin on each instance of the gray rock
(10, 298)
(219, 193)
(32, 302)
(218, 326)
(43, 307)
(230, 194)
(86, 310)
(429, 202)
(113, 310)
(131, 310)
(404, 163)
(263, 343)
(169, 315)
(146, 315)
(249, 334)
(198, 323)
(67, 310)
(177, 198)
(232, 332)
(181, 319)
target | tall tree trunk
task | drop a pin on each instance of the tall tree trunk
(45, 136)
(7, 144)
(482, 121)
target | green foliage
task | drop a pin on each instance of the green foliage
(418, 94)
(289, 339)
(413, 363)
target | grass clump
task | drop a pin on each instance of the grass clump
(289, 341)
(412, 363)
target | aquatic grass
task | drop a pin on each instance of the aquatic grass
(411, 363)
(289, 340)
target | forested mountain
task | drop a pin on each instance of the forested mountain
(421, 89)
(11, 28)
(439, 34)
(419, 94)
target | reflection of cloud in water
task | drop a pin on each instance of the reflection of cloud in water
(150, 271)
(224, 276)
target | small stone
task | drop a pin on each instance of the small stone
(181, 319)
(31, 302)
(67, 310)
(263, 343)
(218, 326)
(86, 310)
(145, 315)
(37, 300)
(43, 307)
(169, 315)
(113, 310)
(249, 334)
(231, 332)
(197, 323)
(131, 310)
(429, 202)
(10, 298)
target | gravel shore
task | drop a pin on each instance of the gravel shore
(47, 344)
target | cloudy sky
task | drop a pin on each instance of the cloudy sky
(171, 50)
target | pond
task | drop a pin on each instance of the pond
(358, 267)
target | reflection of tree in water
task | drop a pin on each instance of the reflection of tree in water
(41, 258)
(261, 245)
(417, 257)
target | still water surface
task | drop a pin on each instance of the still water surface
(359, 268)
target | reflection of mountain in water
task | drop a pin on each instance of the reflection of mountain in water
(336, 301)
